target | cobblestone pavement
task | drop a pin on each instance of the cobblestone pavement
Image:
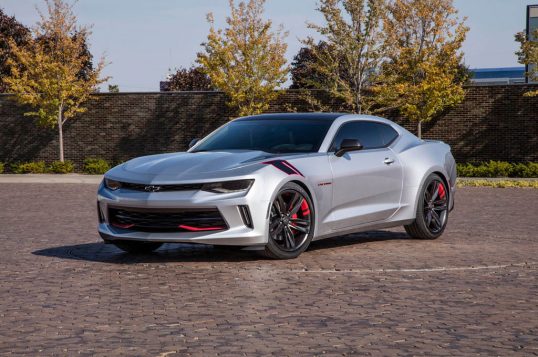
(474, 291)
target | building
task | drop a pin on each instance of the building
(506, 75)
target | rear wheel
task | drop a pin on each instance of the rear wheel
(135, 247)
(432, 210)
(291, 223)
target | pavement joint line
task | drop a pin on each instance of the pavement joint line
(418, 270)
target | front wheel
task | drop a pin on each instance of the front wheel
(135, 247)
(432, 210)
(291, 223)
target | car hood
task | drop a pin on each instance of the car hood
(189, 166)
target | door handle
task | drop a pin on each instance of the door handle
(388, 161)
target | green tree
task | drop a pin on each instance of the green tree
(351, 51)
(51, 76)
(528, 55)
(423, 74)
(113, 88)
(246, 59)
(189, 79)
(303, 70)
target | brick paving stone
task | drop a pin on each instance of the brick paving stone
(471, 292)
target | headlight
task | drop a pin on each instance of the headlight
(228, 186)
(112, 184)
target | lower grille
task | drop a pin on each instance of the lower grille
(167, 220)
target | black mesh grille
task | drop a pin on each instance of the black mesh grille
(160, 188)
(167, 220)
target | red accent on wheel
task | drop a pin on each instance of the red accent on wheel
(305, 210)
(442, 192)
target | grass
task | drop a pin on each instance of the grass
(465, 182)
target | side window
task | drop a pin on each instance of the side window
(388, 134)
(370, 134)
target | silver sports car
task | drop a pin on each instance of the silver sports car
(275, 182)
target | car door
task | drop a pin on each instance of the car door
(367, 184)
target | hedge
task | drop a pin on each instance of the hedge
(499, 169)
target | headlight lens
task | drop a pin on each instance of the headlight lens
(112, 184)
(228, 186)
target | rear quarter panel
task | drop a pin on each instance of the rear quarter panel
(419, 160)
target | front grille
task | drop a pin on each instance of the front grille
(167, 220)
(161, 188)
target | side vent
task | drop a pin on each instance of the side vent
(100, 213)
(245, 216)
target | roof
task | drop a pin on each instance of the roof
(503, 72)
(294, 116)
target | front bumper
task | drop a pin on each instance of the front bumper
(237, 233)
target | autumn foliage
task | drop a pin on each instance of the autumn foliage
(246, 59)
(52, 76)
(422, 74)
(528, 55)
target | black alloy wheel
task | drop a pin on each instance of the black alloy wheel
(291, 223)
(432, 210)
(435, 206)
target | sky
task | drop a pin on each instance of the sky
(144, 39)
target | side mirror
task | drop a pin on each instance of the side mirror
(348, 145)
(193, 142)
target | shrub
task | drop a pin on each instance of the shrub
(499, 169)
(59, 167)
(497, 183)
(1, 167)
(94, 166)
(466, 170)
(37, 167)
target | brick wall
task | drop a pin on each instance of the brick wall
(494, 122)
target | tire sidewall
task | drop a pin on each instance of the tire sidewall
(420, 208)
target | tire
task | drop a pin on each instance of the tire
(291, 223)
(135, 247)
(432, 212)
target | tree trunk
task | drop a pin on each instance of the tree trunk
(60, 133)
(419, 129)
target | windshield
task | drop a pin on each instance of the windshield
(273, 136)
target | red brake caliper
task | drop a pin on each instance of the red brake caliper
(442, 192)
(305, 211)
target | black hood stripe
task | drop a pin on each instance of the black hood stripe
(284, 166)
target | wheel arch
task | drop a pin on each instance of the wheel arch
(305, 186)
(441, 174)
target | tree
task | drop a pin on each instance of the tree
(50, 75)
(528, 55)
(423, 73)
(303, 70)
(10, 29)
(246, 59)
(351, 51)
(191, 79)
(113, 88)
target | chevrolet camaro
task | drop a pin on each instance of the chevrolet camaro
(275, 182)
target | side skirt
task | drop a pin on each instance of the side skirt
(365, 227)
